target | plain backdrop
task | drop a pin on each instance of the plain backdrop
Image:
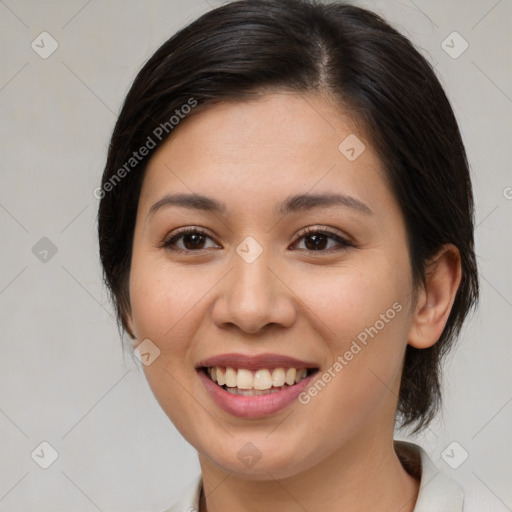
(64, 378)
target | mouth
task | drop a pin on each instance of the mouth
(254, 385)
(250, 382)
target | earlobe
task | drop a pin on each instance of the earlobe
(435, 300)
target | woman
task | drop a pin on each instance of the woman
(286, 229)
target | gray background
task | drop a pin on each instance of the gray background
(64, 378)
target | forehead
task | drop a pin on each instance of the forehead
(256, 151)
(287, 123)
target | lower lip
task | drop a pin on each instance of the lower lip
(253, 406)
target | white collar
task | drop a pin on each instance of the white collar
(438, 492)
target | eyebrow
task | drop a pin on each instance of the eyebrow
(299, 202)
(191, 201)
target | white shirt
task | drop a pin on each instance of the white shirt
(438, 492)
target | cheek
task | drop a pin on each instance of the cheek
(364, 322)
(347, 301)
(168, 305)
(163, 298)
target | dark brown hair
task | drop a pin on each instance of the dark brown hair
(351, 54)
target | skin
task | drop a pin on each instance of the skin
(293, 300)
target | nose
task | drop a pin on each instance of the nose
(254, 296)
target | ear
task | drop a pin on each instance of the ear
(435, 300)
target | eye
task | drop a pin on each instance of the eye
(316, 239)
(187, 240)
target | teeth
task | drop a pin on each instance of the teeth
(253, 392)
(221, 380)
(291, 373)
(278, 377)
(244, 379)
(259, 380)
(262, 380)
(230, 377)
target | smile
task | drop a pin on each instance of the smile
(245, 382)
(254, 385)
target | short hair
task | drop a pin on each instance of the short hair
(249, 47)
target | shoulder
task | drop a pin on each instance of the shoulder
(476, 502)
(438, 492)
(189, 501)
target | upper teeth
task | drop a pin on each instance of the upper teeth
(256, 379)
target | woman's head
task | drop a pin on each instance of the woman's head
(255, 103)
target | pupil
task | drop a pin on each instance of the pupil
(318, 243)
(193, 240)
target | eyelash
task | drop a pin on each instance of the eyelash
(169, 243)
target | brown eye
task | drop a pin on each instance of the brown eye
(188, 240)
(193, 240)
(318, 240)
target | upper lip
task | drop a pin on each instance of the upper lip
(255, 362)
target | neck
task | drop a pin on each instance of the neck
(364, 476)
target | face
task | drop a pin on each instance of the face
(298, 251)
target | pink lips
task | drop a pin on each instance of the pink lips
(256, 362)
(254, 406)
